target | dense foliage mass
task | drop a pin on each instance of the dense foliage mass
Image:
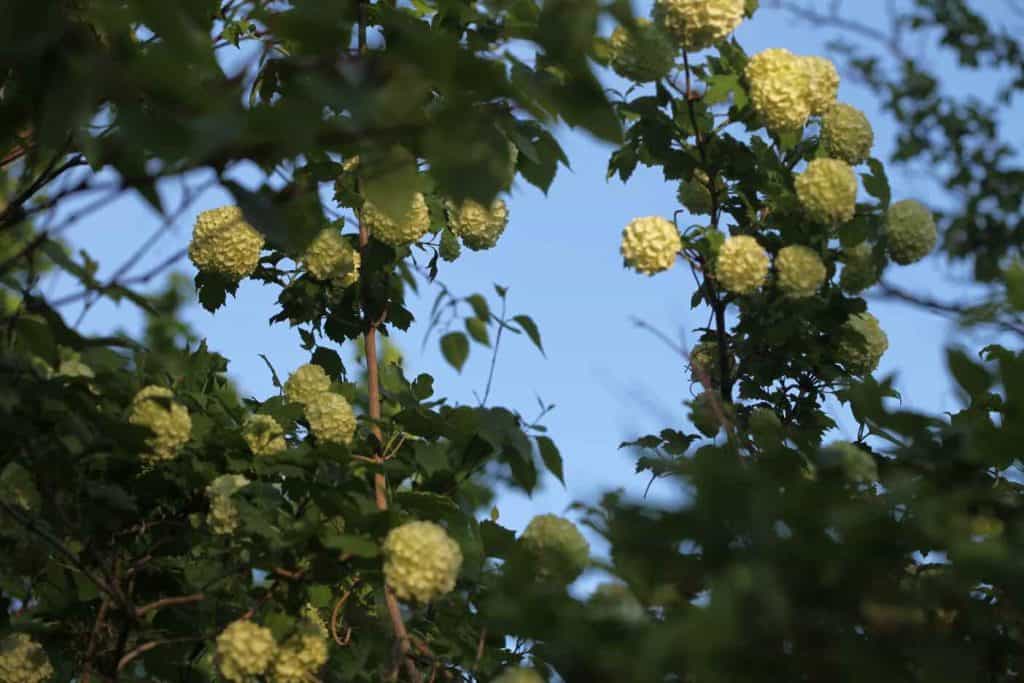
(157, 526)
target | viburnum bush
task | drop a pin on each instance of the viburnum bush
(159, 526)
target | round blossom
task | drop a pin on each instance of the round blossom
(560, 551)
(299, 659)
(650, 244)
(779, 83)
(707, 412)
(153, 407)
(822, 83)
(331, 418)
(910, 231)
(827, 190)
(800, 271)
(264, 435)
(699, 24)
(421, 561)
(306, 383)
(862, 343)
(642, 53)
(705, 363)
(223, 515)
(330, 256)
(244, 650)
(450, 248)
(847, 134)
(764, 424)
(414, 224)
(614, 600)
(518, 674)
(859, 269)
(479, 226)
(857, 464)
(742, 264)
(22, 660)
(224, 243)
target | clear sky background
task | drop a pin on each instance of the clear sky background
(560, 260)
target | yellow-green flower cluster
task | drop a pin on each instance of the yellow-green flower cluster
(847, 134)
(22, 660)
(559, 550)
(479, 226)
(313, 617)
(614, 600)
(862, 343)
(742, 264)
(650, 244)
(787, 89)
(705, 363)
(330, 256)
(827, 189)
(699, 24)
(306, 383)
(859, 269)
(910, 232)
(642, 53)
(800, 271)
(244, 650)
(223, 515)
(299, 659)
(421, 561)
(225, 244)
(331, 418)
(857, 464)
(264, 435)
(517, 674)
(153, 407)
(413, 224)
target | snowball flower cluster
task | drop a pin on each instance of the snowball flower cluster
(306, 383)
(331, 418)
(699, 24)
(225, 244)
(642, 53)
(223, 515)
(414, 223)
(299, 658)
(650, 244)
(862, 343)
(264, 435)
(154, 408)
(421, 561)
(331, 256)
(822, 83)
(786, 89)
(859, 269)
(800, 271)
(847, 134)
(705, 363)
(244, 650)
(479, 226)
(560, 551)
(856, 463)
(518, 674)
(614, 600)
(827, 189)
(22, 660)
(910, 231)
(764, 424)
(742, 264)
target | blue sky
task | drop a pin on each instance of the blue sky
(559, 257)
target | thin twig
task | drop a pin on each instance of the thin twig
(167, 602)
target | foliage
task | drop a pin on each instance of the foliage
(157, 526)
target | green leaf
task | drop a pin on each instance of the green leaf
(719, 88)
(480, 307)
(425, 504)
(477, 329)
(498, 541)
(876, 183)
(972, 377)
(455, 347)
(551, 457)
(360, 546)
(390, 180)
(330, 361)
(423, 387)
(530, 327)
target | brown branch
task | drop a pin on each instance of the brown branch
(150, 645)
(336, 615)
(167, 602)
(90, 651)
(944, 308)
